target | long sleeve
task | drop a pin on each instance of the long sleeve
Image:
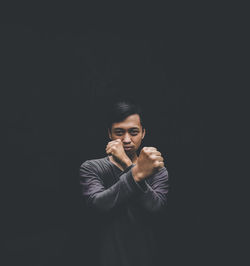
(156, 190)
(102, 199)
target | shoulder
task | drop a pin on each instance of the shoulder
(93, 162)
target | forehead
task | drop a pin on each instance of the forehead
(128, 122)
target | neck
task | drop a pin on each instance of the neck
(133, 157)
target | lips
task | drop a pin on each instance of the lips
(127, 147)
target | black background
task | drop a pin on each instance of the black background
(61, 66)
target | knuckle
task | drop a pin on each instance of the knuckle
(151, 156)
(156, 164)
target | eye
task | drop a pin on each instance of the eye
(134, 132)
(119, 133)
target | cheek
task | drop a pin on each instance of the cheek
(115, 137)
(137, 140)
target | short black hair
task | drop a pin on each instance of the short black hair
(120, 110)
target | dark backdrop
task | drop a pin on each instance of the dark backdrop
(60, 70)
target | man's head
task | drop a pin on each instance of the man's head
(125, 123)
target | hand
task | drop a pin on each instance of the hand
(115, 148)
(148, 163)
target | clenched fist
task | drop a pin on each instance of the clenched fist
(148, 163)
(115, 148)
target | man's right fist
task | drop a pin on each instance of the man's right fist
(148, 163)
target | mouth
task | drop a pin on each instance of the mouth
(128, 148)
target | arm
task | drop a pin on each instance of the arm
(102, 199)
(156, 190)
(153, 177)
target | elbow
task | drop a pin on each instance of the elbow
(158, 207)
(161, 208)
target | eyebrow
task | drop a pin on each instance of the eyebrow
(122, 129)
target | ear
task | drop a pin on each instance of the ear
(109, 133)
(143, 133)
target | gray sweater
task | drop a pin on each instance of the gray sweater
(124, 211)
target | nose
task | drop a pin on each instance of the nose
(126, 138)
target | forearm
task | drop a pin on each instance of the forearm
(99, 198)
(155, 194)
(114, 196)
(125, 163)
(153, 201)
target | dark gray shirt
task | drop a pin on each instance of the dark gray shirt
(123, 211)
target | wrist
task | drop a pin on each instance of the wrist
(126, 163)
(137, 174)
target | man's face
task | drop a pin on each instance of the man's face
(129, 131)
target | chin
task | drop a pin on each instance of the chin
(129, 152)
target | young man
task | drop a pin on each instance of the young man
(124, 191)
